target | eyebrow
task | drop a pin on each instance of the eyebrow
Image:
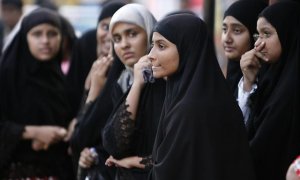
(126, 31)
(233, 24)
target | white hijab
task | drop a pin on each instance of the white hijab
(138, 15)
(134, 14)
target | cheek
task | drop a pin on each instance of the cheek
(32, 45)
(117, 49)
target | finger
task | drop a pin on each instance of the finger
(260, 46)
(261, 56)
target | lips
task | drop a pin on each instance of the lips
(45, 50)
(228, 49)
(128, 55)
(155, 68)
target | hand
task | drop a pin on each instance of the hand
(49, 134)
(250, 65)
(143, 62)
(128, 162)
(98, 76)
(99, 70)
(70, 129)
(86, 159)
(37, 145)
(291, 174)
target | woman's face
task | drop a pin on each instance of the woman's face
(103, 39)
(164, 56)
(235, 38)
(267, 33)
(130, 42)
(44, 41)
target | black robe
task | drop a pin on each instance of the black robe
(123, 137)
(88, 129)
(32, 93)
(273, 125)
(201, 134)
(82, 58)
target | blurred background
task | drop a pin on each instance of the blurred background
(83, 14)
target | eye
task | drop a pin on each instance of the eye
(52, 33)
(117, 39)
(266, 34)
(151, 45)
(105, 27)
(36, 33)
(161, 46)
(132, 33)
(224, 29)
(237, 30)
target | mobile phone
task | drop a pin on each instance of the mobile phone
(148, 75)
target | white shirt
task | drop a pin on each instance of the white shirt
(243, 97)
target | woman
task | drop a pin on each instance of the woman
(130, 132)
(273, 66)
(84, 135)
(130, 29)
(237, 36)
(34, 110)
(201, 133)
(92, 45)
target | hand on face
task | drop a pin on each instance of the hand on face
(143, 63)
(250, 64)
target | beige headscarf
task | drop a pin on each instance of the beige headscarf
(134, 14)
(140, 16)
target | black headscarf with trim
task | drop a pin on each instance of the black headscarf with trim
(201, 133)
(274, 124)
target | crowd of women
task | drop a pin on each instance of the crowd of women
(137, 99)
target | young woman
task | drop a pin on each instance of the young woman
(237, 36)
(273, 66)
(95, 81)
(34, 110)
(130, 29)
(129, 135)
(201, 133)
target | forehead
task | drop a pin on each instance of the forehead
(122, 27)
(44, 26)
(232, 21)
(263, 23)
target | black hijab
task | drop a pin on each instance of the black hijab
(32, 93)
(201, 133)
(245, 11)
(84, 54)
(274, 124)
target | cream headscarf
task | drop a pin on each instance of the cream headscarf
(138, 15)
(134, 14)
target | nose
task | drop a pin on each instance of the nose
(45, 39)
(124, 43)
(226, 37)
(257, 42)
(151, 55)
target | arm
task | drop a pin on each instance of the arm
(98, 76)
(128, 162)
(243, 97)
(118, 132)
(43, 136)
(250, 65)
